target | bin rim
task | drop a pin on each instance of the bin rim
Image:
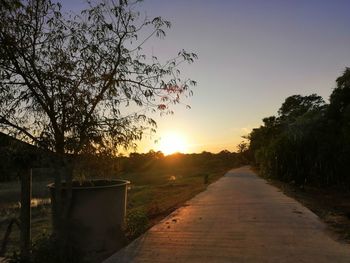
(112, 183)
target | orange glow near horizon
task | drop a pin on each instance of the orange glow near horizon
(173, 142)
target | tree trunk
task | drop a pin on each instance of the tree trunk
(62, 203)
(25, 216)
(57, 204)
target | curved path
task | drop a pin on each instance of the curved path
(239, 218)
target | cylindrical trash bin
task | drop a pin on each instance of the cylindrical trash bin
(96, 216)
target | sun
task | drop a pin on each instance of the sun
(171, 143)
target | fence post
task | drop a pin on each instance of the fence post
(25, 216)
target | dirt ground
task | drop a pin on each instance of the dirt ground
(332, 205)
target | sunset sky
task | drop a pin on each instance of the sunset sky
(252, 55)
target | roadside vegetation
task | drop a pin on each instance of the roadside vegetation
(308, 142)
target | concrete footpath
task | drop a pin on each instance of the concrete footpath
(239, 218)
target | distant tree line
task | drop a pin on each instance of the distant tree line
(309, 140)
(157, 160)
(108, 166)
(94, 166)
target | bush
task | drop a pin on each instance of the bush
(136, 224)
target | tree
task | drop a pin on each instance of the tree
(242, 147)
(283, 146)
(339, 123)
(309, 141)
(64, 79)
(297, 105)
(340, 97)
(71, 83)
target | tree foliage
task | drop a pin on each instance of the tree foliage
(309, 140)
(66, 79)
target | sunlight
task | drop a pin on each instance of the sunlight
(173, 142)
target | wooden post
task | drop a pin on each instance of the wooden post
(57, 202)
(25, 217)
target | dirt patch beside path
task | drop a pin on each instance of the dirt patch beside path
(330, 204)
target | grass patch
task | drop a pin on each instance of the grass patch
(154, 193)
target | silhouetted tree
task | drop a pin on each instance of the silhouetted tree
(297, 105)
(242, 147)
(65, 80)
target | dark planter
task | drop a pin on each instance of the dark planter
(96, 216)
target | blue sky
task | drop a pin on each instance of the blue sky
(252, 55)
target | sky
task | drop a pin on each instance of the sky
(252, 55)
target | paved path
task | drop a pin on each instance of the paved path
(240, 218)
